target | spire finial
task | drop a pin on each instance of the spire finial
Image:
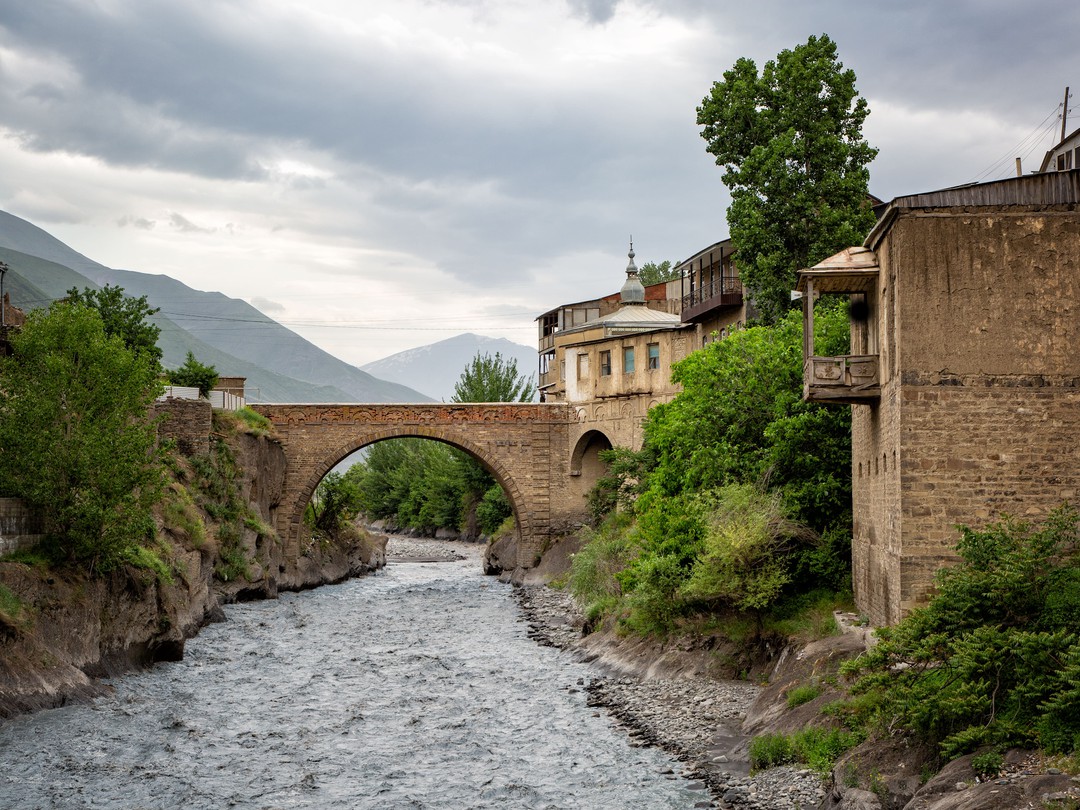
(632, 292)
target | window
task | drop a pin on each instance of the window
(628, 360)
(562, 369)
(654, 356)
(583, 366)
(605, 364)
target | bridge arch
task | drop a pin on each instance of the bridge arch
(525, 445)
(586, 468)
(335, 456)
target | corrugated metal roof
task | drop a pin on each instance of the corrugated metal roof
(1051, 188)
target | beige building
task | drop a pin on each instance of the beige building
(964, 377)
(611, 363)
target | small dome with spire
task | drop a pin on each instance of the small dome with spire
(633, 291)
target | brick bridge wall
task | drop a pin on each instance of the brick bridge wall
(526, 447)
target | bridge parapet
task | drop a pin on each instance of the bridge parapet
(525, 445)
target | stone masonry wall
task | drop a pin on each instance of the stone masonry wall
(971, 454)
(187, 422)
(979, 348)
(525, 446)
(18, 528)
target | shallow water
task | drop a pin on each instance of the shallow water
(417, 687)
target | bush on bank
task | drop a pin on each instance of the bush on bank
(78, 445)
(994, 658)
(739, 501)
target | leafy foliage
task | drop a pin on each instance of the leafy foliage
(336, 502)
(790, 142)
(819, 748)
(653, 273)
(124, 317)
(493, 379)
(744, 558)
(78, 444)
(493, 509)
(994, 658)
(741, 419)
(741, 494)
(417, 483)
(195, 375)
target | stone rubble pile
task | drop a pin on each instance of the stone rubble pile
(696, 720)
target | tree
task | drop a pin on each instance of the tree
(653, 273)
(77, 442)
(123, 316)
(195, 375)
(790, 142)
(493, 379)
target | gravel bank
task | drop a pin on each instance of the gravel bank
(695, 719)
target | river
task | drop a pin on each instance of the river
(416, 687)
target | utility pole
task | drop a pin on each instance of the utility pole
(1064, 114)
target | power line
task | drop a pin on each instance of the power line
(1028, 143)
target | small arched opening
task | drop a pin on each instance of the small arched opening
(586, 468)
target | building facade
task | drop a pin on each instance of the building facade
(964, 377)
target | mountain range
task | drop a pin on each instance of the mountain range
(435, 368)
(280, 365)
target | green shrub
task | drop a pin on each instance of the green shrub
(256, 423)
(770, 750)
(988, 765)
(742, 562)
(593, 579)
(149, 559)
(818, 748)
(13, 613)
(802, 694)
(493, 509)
(994, 658)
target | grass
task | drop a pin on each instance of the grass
(802, 694)
(13, 613)
(817, 748)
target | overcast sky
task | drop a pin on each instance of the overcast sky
(382, 175)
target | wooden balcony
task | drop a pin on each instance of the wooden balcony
(850, 379)
(721, 293)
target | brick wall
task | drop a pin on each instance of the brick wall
(187, 422)
(18, 528)
(974, 320)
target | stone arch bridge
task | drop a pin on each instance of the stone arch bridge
(529, 448)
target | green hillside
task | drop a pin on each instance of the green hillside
(280, 365)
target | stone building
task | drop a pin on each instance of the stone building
(612, 364)
(964, 376)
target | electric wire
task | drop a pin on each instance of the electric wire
(1026, 145)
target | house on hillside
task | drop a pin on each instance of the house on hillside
(614, 363)
(964, 372)
(711, 293)
(611, 357)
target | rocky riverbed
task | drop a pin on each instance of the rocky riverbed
(695, 718)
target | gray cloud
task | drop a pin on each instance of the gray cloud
(488, 173)
(267, 306)
(140, 223)
(181, 223)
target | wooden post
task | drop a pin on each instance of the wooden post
(1064, 113)
(808, 321)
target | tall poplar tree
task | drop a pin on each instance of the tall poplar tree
(790, 142)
